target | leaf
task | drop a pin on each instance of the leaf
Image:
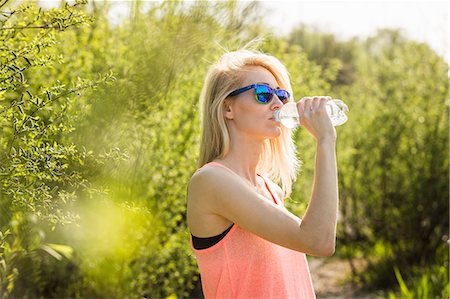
(404, 289)
(65, 250)
(51, 251)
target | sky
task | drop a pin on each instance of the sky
(423, 21)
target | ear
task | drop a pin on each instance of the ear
(227, 110)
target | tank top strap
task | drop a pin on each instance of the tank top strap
(265, 182)
(267, 186)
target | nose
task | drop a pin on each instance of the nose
(276, 102)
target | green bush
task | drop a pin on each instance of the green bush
(40, 171)
(429, 282)
(392, 153)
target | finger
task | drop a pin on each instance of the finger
(315, 103)
(300, 107)
(302, 103)
(307, 105)
(323, 101)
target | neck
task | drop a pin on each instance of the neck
(243, 156)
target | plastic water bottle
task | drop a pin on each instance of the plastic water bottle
(288, 114)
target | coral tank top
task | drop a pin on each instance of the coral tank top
(243, 265)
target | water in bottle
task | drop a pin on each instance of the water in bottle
(288, 114)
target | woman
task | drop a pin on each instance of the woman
(247, 245)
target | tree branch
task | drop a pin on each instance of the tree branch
(45, 26)
(18, 131)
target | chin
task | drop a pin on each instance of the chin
(274, 133)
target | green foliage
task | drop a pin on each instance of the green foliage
(36, 161)
(40, 171)
(394, 166)
(392, 153)
(94, 175)
(325, 49)
(431, 282)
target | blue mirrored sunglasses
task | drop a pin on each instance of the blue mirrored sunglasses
(263, 93)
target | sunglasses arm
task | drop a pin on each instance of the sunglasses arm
(241, 90)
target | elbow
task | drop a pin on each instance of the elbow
(325, 250)
(328, 251)
(319, 242)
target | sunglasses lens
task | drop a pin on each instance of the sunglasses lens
(263, 94)
(283, 95)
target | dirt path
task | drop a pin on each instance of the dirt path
(330, 279)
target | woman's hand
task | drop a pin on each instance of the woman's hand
(314, 117)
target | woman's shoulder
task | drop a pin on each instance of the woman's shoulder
(209, 189)
(208, 170)
(209, 176)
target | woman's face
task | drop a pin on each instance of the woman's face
(250, 117)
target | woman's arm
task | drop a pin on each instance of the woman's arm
(220, 192)
(320, 219)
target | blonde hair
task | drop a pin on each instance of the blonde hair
(278, 160)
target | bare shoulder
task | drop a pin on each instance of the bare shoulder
(207, 180)
(201, 186)
(208, 184)
(204, 215)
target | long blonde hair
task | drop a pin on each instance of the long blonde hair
(278, 160)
